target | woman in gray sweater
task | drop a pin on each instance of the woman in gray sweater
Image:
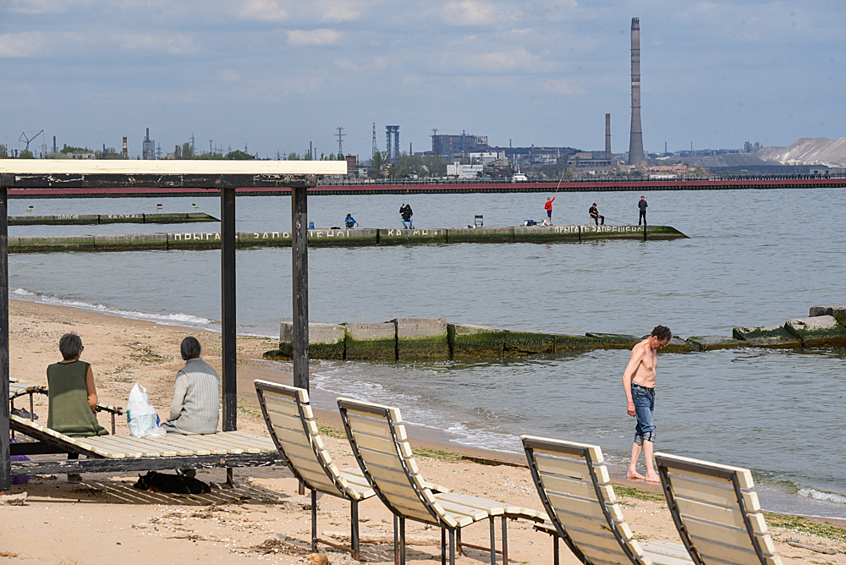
(196, 397)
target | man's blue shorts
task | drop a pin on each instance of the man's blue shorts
(644, 401)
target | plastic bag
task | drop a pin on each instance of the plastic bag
(141, 416)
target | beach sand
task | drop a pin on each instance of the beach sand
(105, 520)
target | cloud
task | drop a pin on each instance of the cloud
(339, 11)
(497, 62)
(228, 75)
(560, 86)
(31, 44)
(262, 10)
(364, 64)
(471, 13)
(313, 37)
(175, 44)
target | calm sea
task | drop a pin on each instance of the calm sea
(754, 257)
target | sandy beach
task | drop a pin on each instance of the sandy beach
(104, 519)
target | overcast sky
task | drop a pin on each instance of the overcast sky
(277, 74)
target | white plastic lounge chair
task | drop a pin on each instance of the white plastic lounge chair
(378, 439)
(716, 512)
(294, 430)
(577, 493)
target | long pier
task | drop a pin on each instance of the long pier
(358, 237)
(332, 187)
(99, 219)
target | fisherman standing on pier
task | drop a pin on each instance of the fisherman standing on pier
(642, 205)
(406, 212)
(548, 208)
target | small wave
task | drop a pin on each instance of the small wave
(168, 319)
(820, 495)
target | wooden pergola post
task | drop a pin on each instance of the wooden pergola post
(228, 334)
(5, 453)
(299, 242)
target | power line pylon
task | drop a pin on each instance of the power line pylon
(340, 135)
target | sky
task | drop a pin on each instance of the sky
(273, 76)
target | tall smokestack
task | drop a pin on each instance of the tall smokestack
(608, 136)
(636, 156)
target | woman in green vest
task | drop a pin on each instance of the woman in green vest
(72, 395)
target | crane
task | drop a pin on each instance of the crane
(28, 139)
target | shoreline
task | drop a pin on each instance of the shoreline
(251, 366)
(105, 519)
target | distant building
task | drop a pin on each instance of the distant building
(460, 171)
(450, 146)
(148, 147)
(589, 159)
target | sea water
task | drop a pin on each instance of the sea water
(754, 257)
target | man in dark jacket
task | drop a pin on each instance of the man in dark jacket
(406, 212)
(642, 205)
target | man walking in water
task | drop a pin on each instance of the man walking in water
(639, 385)
(548, 208)
(642, 205)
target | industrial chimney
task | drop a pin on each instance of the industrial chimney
(608, 136)
(636, 156)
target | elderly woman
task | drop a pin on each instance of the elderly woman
(196, 397)
(71, 392)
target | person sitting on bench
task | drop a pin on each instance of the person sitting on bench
(196, 396)
(595, 217)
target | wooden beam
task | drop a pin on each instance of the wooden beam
(5, 459)
(164, 167)
(299, 234)
(228, 332)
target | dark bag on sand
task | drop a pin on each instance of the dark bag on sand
(176, 484)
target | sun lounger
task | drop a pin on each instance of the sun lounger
(379, 443)
(716, 511)
(577, 493)
(114, 453)
(294, 430)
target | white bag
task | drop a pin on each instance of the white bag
(141, 416)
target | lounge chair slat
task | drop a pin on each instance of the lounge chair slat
(374, 427)
(170, 450)
(184, 441)
(380, 457)
(711, 512)
(375, 443)
(134, 445)
(569, 449)
(704, 470)
(281, 406)
(287, 436)
(204, 440)
(263, 443)
(715, 551)
(457, 509)
(584, 489)
(572, 505)
(715, 493)
(563, 467)
(223, 442)
(602, 540)
(726, 534)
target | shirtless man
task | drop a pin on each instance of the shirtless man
(639, 384)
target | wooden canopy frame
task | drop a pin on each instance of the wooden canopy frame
(220, 176)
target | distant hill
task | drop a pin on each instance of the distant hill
(808, 151)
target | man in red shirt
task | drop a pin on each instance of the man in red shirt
(548, 208)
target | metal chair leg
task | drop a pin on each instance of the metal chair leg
(402, 540)
(452, 546)
(314, 521)
(396, 540)
(556, 559)
(354, 537)
(443, 547)
(493, 540)
(504, 541)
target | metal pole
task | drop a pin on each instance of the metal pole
(227, 303)
(5, 454)
(299, 231)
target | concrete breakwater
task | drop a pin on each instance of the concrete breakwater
(97, 219)
(407, 339)
(340, 238)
